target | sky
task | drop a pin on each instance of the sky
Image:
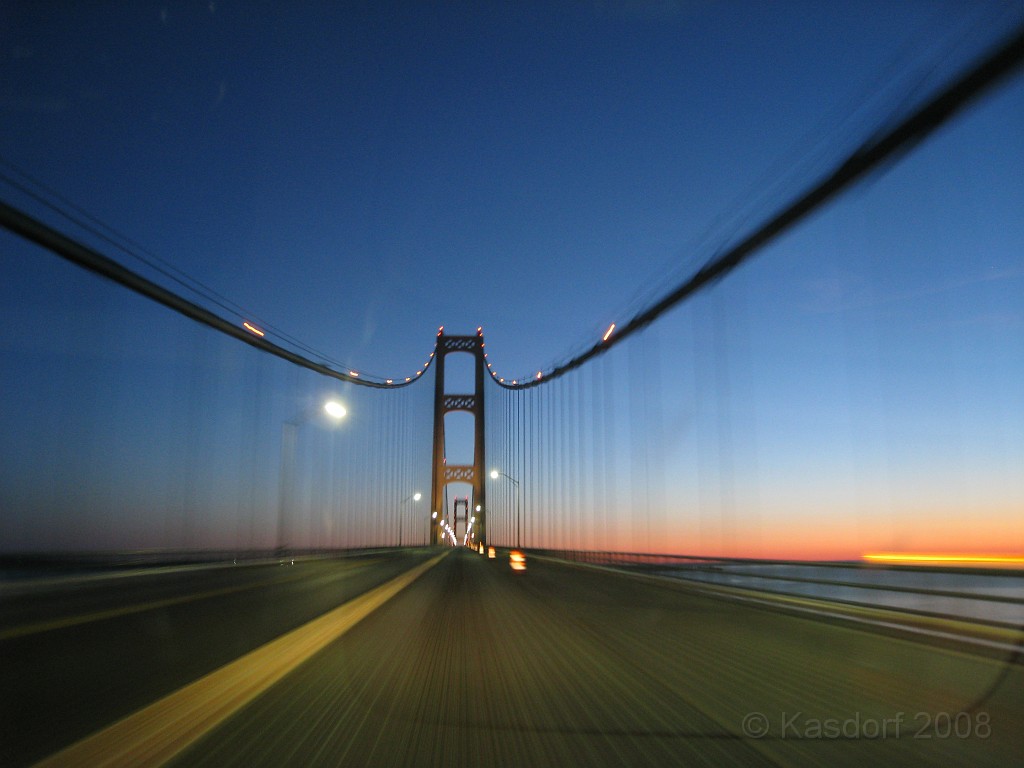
(357, 175)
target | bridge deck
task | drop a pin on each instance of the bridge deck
(476, 665)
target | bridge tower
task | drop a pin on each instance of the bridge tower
(444, 473)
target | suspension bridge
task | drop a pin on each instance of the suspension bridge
(458, 564)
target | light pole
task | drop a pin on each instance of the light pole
(495, 474)
(415, 497)
(289, 434)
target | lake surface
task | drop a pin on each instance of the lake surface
(991, 598)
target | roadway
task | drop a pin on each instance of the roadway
(79, 653)
(474, 664)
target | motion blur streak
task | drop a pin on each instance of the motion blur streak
(966, 560)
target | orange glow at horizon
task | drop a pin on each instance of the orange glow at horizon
(915, 558)
(805, 537)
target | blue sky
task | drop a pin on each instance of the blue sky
(359, 175)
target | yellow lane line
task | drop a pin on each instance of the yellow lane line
(126, 610)
(155, 734)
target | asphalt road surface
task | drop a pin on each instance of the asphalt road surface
(78, 654)
(474, 664)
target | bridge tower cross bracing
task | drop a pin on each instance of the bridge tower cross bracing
(443, 473)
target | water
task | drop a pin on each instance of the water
(989, 598)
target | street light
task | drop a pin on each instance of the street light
(414, 497)
(289, 434)
(334, 409)
(495, 474)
